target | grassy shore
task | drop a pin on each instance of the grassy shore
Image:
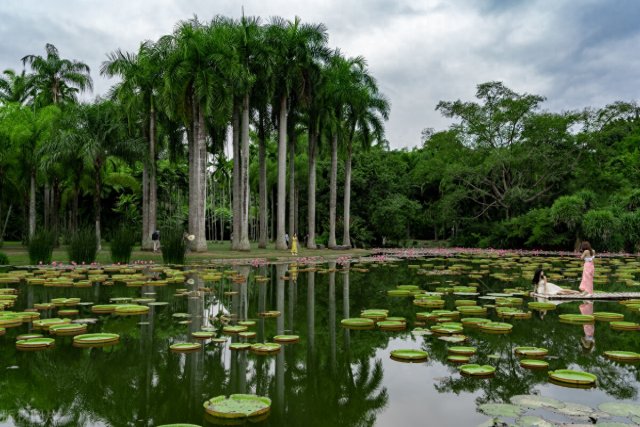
(18, 254)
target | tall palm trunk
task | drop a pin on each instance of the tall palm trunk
(346, 238)
(333, 191)
(282, 164)
(292, 175)
(262, 141)
(32, 203)
(195, 177)
(152, 200)
(244, 244)
(146, 233)
(235, 231)
(47, 205)
(200, 241)
(97, 206)
(311, 197)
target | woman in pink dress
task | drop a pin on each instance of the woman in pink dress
(588, 254)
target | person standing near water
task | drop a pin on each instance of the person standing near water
(155, 238)
(294, 245)
(588, 254)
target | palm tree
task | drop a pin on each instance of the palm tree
(141, 75)
(14, 87)
(366, 108)
(294, 45)
(56, 80)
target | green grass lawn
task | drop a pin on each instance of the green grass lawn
(18, 254)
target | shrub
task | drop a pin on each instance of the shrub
(603, 229)
(4, 259)
(83, 246)
(173, 245)
(41, 246)
(121, 245)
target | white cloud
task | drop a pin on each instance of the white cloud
(420, 51)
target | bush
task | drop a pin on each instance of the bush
(4, 259)
(603, 228)
(41, 246)
(173, 245)
(121, 245)
(83, 246)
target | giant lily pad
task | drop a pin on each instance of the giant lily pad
(572, 377)
(202, 335)
(410, 355)
(458, 358)
(95, 340)
(620, 409)
(541, 306)
(237, 406)
(265, 348)
(608, 317)
(531, 351)
(466, 351)
(477, 370)
(577, 318)
(496, 327)
(286, 338)
(229, 329)
(185, 347)
(533, 421)
(131, 309)
(357, 323)
(501, 410)
(534, 364)
(35, 344)
(624, 326)
(624, 356)
(239, 346)
(374, 314)
(535, 401)
(391, 325)
(68, 329)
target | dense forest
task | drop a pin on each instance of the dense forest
(247, 130)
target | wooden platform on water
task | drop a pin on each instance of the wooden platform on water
(596, 296)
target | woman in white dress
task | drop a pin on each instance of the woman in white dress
(542, 287)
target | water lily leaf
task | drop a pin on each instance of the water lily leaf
(410, 355)
(533, 401)
(533, 421)
(237, 406)
(625, 356)
(501, 410)
(620, 409)
(575, 410)
(572, 377)
(477, 370)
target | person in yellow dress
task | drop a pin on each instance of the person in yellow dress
(294, 245)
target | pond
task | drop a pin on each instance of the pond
(331, 375)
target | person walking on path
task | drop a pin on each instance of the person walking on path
(588, 254)
(294, 245)
(286, 239)
(155, 239)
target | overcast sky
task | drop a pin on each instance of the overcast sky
(575, 53)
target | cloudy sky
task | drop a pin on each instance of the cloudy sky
(576, 53)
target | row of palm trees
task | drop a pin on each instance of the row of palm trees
(192, 85)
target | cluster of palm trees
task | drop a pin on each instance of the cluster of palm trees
(186, 90)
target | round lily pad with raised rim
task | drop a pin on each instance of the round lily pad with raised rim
(45, 324)
(624, 326)
(229, 329)
(391, 325)
(623, 356)
(420, 331)
(534, 364)
(572, 377)
(453, 339)
(608, 317)
(531, 351)
(67, 329)
(239, 346)
(474, 322)
(271, 313)
(496, 327)
(35, 344)
(399, 293)
(202, 335)
(374, 314)
(247, 334)
(464, 350)
(408, 287)
(265, 348)
(534, 401)
(357, 323)
(477, 370)
(103, 308)
(577, 318)
(247, 323)
(185, 347)
(131, 309)
(27, 336)
(541, 306)
(237, 406)
(458, 358)
(286, 338)
(410, 355)
(95, 340)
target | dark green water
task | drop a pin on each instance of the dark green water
(331, 377)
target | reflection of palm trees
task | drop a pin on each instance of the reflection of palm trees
(362, 396)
